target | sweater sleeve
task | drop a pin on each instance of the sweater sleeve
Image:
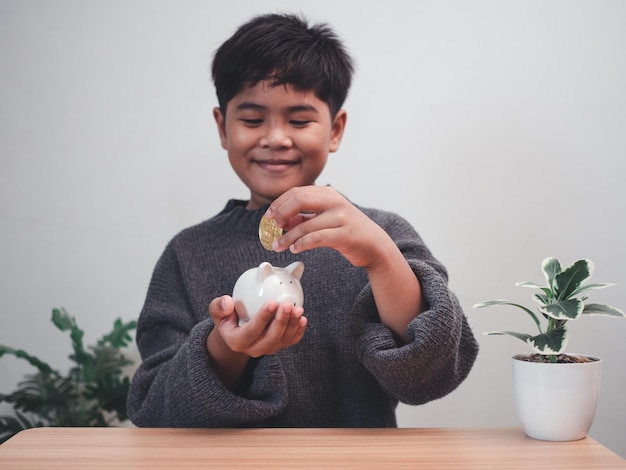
(442, 347)
(175, 385)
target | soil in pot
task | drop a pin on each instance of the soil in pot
(560, 359)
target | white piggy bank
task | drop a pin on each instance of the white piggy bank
(258, 285)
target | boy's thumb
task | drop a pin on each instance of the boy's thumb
(222, 306)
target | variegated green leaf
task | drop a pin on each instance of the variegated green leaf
(522, 336)
(550, 267)
(604, 310)
(530, 284)
(550, 343)
(490, 303)
(533, 285)
(571, 278)
(564, 310)
(587, 287)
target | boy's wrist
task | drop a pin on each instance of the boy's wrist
(228, 364)
(216, 346)
(387, 254)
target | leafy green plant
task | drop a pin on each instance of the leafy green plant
(560, 301)
(92, 393)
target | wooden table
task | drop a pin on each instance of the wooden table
(423, 448)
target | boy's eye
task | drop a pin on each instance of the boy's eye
(299, 122)
(252, 122)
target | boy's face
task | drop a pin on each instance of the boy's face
(277, 138)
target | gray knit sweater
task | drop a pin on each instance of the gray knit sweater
(347, 371)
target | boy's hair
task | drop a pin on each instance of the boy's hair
(284, 50)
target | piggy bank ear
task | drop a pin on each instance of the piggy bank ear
(296, 269)
(264, 270)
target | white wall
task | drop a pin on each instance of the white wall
(498, 128)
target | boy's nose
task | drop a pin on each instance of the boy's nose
(275, 137)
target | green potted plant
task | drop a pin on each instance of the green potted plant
(556, 393)
(92, 393)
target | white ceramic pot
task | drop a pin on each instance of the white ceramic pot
(556, 402)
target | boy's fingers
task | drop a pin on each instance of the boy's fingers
(288, 327)
(304, 199)
(297, 220)
(295, 328)
(274, 327)
(258, 324)
(299, 333)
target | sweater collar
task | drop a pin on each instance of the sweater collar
(238, 219)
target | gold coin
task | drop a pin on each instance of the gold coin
(268, 232)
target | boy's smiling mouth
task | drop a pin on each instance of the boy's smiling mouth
(276, 166)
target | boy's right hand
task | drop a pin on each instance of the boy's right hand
(275, 327)
(230, 346)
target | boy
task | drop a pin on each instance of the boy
(380, 326)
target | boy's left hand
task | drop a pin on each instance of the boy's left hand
(316, 216)
(319, 216)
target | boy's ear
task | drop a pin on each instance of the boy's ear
(221, 126)
(336, 131)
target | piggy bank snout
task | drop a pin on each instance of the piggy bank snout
(288, 293)
(281, 289)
